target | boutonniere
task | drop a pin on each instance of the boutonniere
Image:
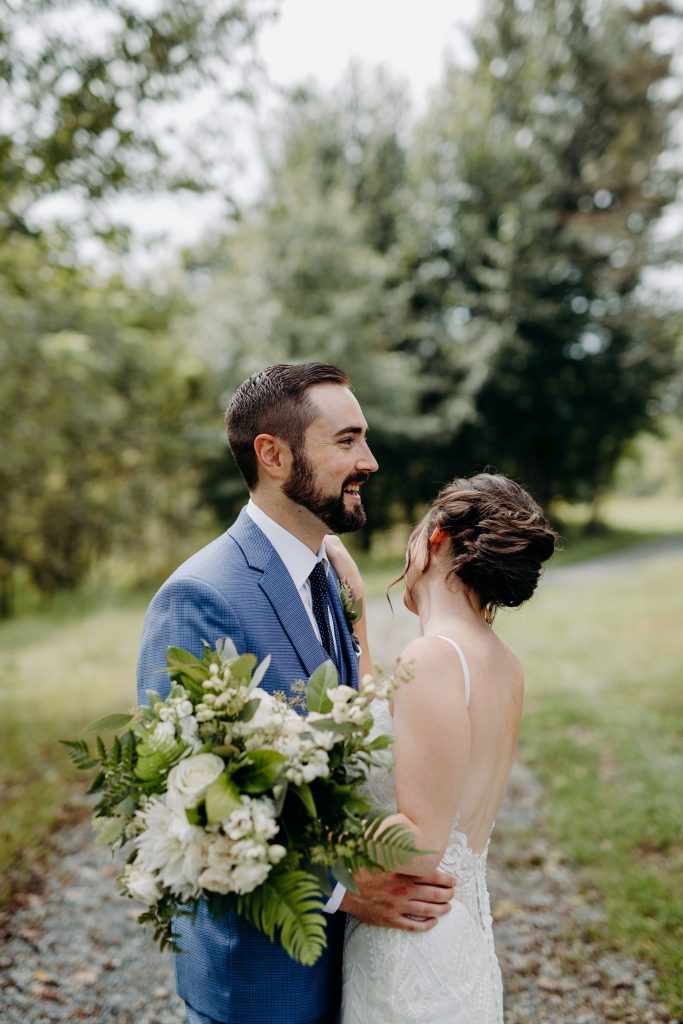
(352, 607)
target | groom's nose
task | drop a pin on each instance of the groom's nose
(367, 463)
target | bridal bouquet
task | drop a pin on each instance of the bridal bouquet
(226, 793)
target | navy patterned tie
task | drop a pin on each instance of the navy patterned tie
(321, 606)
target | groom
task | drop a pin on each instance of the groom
(298, 437)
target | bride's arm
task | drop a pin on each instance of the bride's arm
(431, 749)
(346, 569)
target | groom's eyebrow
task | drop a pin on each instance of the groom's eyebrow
(352, 430)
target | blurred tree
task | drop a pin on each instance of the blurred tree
(99, 98)
(97, 416)
(99, 409)
(539, 176)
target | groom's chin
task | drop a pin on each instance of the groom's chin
(355, 520)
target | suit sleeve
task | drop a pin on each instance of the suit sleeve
(184, 612)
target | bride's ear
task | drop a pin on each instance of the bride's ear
(437, 536)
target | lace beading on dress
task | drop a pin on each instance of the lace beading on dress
(448, 975)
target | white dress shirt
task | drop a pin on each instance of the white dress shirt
(299, 562)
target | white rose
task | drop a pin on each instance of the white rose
(189, 780)
(142, 885)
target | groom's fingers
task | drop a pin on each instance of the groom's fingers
(440, 879)
(408, 923)
(430, 889)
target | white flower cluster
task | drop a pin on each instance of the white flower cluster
(173, 854)
(348, 705)
(380, 687)
(276, 726)
(222, 697)
(176, 720)
(240, 857)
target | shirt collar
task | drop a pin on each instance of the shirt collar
(298, 560)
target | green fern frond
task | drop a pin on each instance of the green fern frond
(289, 902)
(79, 752)
(390, 848)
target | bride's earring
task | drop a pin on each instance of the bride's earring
(488, 616)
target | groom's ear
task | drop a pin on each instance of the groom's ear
(274, 456)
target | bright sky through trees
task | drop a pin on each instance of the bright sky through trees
(318, 39)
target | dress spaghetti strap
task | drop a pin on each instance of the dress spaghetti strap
(463, 662)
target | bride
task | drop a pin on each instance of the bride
(480, 547)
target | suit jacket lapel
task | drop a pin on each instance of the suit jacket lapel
(348, 659)
(277, 585)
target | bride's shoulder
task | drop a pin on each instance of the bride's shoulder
(423, 650)
(428, 661)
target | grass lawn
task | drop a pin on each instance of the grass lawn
(58, 672)
(602, 729)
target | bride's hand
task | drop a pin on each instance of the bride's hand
(344, 565)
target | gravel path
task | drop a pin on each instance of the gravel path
(73, 951)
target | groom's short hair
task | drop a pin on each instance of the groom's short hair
(275, 401)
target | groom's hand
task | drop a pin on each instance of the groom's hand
(394, 901)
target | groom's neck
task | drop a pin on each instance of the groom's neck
(292, 517)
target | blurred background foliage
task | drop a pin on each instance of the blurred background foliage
(488, 271)
(479, 269)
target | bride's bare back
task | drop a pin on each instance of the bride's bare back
(495, 710)
(456, 724)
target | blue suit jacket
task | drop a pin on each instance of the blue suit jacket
(237, 586)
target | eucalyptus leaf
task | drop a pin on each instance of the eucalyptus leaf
(343, 875)
(226, 647)
(242, 667)
(303, 791)
(182, 657)
(327, 725)
(320, 873)
(323, 679)
(222, 798)
(260, 672)
(260, 772)
(128, 805)
(111, 832)
(115, 721)
(381, 742)
(249, 710)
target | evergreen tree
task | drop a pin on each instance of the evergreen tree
(540, 179)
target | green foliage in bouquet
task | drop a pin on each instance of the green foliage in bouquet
(227, 793)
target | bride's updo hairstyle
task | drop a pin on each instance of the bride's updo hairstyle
(498, 538)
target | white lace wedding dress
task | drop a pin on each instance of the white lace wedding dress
(448, 975)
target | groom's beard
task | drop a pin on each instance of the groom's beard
(330, 509)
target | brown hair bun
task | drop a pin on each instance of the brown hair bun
(499, 537)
